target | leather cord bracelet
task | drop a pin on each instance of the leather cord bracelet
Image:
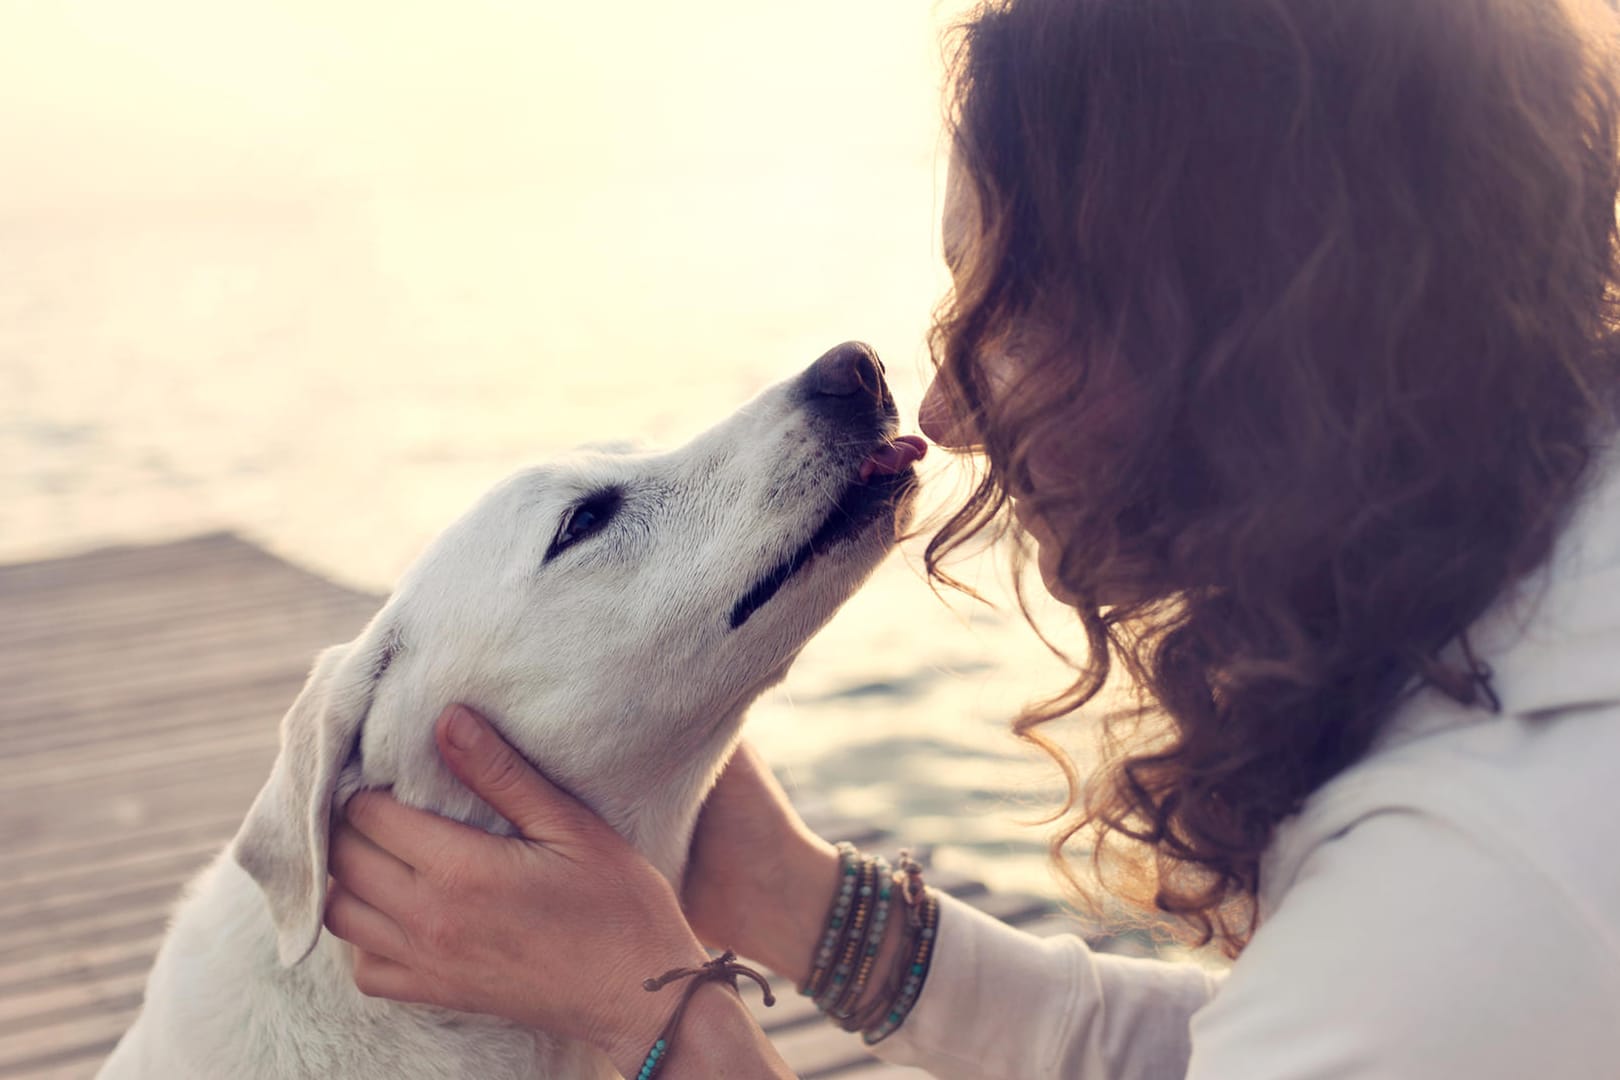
(723, 969)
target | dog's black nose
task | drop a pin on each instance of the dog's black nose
(846, 370)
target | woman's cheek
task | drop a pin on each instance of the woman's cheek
(938, 421)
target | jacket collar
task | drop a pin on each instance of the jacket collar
(1552, 641)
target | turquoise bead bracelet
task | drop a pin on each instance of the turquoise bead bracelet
(871, 942)
(821, 963)
(912, 977)
(655, 1060)
(859, 924)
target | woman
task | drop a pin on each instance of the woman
(1283, 330)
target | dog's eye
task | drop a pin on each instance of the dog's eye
(584, 519)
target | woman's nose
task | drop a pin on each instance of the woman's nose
(938, 422)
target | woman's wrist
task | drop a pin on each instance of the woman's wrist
(628, 1037)
(717, 1037)
(632, 1017)
(783, 927)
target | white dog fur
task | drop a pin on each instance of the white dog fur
(611, 663)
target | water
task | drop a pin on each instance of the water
(323, 276)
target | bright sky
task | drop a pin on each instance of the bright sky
(189, 98)
(471, 230)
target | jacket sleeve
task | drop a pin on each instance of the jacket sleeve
(1001, 1004)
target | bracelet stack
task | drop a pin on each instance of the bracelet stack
(844, 960)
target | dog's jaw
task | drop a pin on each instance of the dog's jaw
(650, 798)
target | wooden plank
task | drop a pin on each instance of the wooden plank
(143, 690)
(29, 865)
(118, 565)
(211, 590)
(65, 916)
(108, 653)
(78, 963)
(63, 1042)
(174, 715)
(119, 992)
(99, 928)
(65, 702)
(197, 754)
(164, 795)
(75, 1068)
(129, 868)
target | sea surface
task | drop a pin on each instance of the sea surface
(321, 274)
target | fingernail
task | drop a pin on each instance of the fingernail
(462, 729)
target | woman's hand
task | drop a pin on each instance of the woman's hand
(759, 881)
(553, 929)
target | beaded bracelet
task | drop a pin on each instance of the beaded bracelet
(915, 896)
(847, 954)
(822, 962)
(854, 938)
(912, 976)
(870, 944)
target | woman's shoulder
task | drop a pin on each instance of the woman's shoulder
(1422, 932)
(1537, 793)
(1434, 903)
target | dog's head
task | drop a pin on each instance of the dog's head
(612, 613)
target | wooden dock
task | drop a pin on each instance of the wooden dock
(143, 687)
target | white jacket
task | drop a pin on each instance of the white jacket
(1448, 907)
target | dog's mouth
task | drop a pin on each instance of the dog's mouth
(882, 478)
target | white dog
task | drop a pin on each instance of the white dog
(613, 615)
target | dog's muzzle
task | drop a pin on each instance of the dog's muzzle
(846, 384)
(845, 388)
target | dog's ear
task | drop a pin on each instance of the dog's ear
(282, 844)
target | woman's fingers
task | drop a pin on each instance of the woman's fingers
(378, 976)
(499, 775)
(362, 925)
(495, 772)
(415, 837)
(372, 874)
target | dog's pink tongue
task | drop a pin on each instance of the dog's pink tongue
(893, 458)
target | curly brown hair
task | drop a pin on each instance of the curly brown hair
(1316, 304)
